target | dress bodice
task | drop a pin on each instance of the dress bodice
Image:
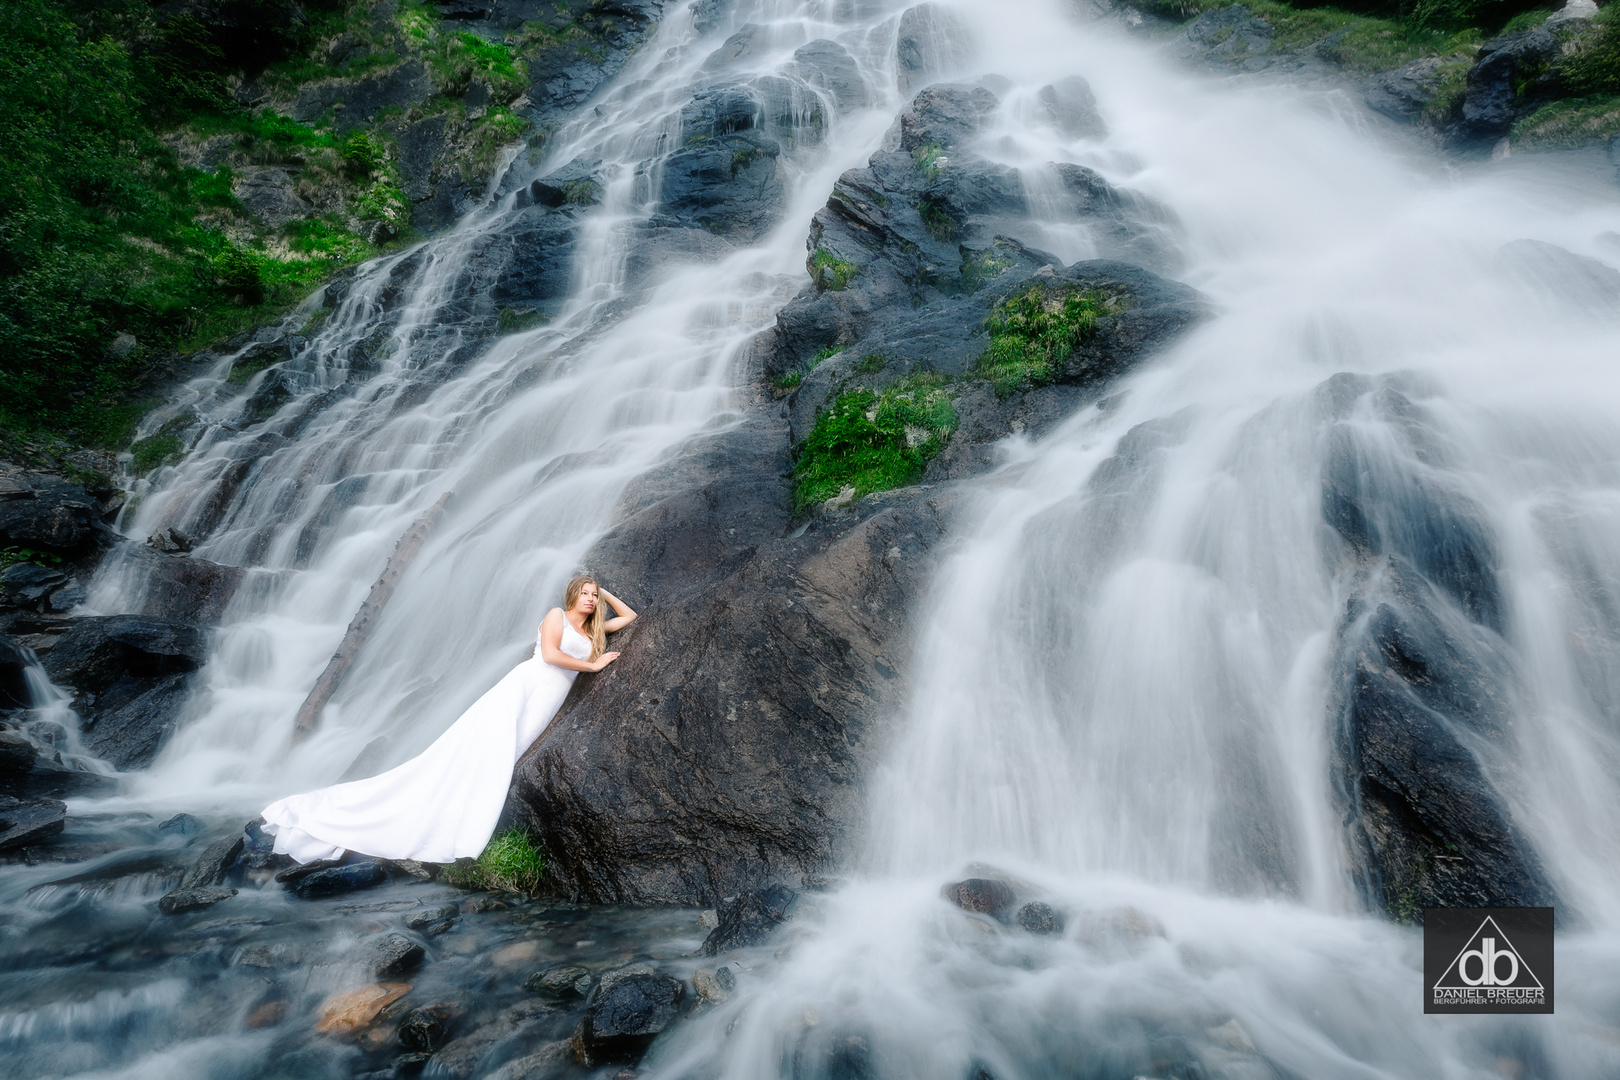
(573, 642)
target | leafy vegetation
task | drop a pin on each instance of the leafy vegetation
(868, 441)
(926, 157)
(1570, 123)
(1033, 332)
(105, 237)
(511, 863)
(1594, 70)
(12, 555)
(1403, 20)
(828, 271)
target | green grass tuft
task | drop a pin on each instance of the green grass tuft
(926, 157)
(869, 441)
(842, 272)
(1569, 124)
(1033, 332)
(511, 863)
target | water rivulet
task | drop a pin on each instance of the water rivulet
(1228, 667)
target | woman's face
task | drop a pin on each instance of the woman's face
(587, 600)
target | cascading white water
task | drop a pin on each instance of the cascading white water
(537, 436)
(1125, 696)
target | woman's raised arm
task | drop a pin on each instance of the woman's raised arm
(623, 617)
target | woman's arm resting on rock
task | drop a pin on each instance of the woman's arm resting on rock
(551, 629)
(624, 617)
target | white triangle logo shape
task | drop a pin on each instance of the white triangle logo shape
(1487, 945)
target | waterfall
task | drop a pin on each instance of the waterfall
(1133, 689)
(399, 396)
(1131, 693)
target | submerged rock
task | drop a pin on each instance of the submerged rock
(350, 1012)
(1039, 917)
(214, 863)
(426, 1029)
(395, 954)
(626, 1015)
(181, 901)
(561, 982)
(332, 880)
(986, 896)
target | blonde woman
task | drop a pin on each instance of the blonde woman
(443, 804)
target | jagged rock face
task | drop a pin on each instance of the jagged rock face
(133, 674)
(1426, 698)
(727, 748)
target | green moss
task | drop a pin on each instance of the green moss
(791, 380)
(511, 863)
(516, 320)
(826, 353)
(214, 188)
(871, 364)
(978, 268)
(743, 159)
(327, 238)
(1033, 332)
(150, 453)
(462, 57)
(937, 220)
(1569, 124)
(868, 441)
(492, 133)
(926, 157)
(841, 275)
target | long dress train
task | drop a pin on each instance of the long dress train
(442, 804)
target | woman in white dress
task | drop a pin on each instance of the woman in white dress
(443, 804)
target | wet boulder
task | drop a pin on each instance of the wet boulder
(215, 863)
(332, 880)
(985, 896)
(626, 1014)
(181, 901)
(29, 821)
(179, 586)
(1039, 917)
(133, 674)
(726, 176)
(52, 515)
(749, 920)
(426, 1029)
(395, 954)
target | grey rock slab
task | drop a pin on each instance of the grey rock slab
(559, 982)
(395, 954)
(29, 821)
(339, 879)
(214, 863)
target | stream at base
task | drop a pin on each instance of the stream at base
(1130, 698)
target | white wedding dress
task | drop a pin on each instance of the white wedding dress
(442, 804)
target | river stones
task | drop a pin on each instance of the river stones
(560, 982)
(214, 863)
(429, 918)
(626, 1015)
(395, 954)
(28, 821)
(352, 1011)
(1039, 917)
(332, 880)
(181, 901)
(426, 1029)
(985, 896)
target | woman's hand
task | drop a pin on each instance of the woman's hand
(603, 661)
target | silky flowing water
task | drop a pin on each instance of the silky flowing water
(1128, 669)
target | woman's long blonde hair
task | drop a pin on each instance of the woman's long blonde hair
(595, 622)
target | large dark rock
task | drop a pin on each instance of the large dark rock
(749, 920)
(14, 664)
(133, 674)
(53, 515)
(1511, 76)
(985, 896)
(395, 954)
(726, 176)
(626, 1015)
(28, 821)
(1422, 675)
(340, 879)
(660, 780)
(180, 587)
